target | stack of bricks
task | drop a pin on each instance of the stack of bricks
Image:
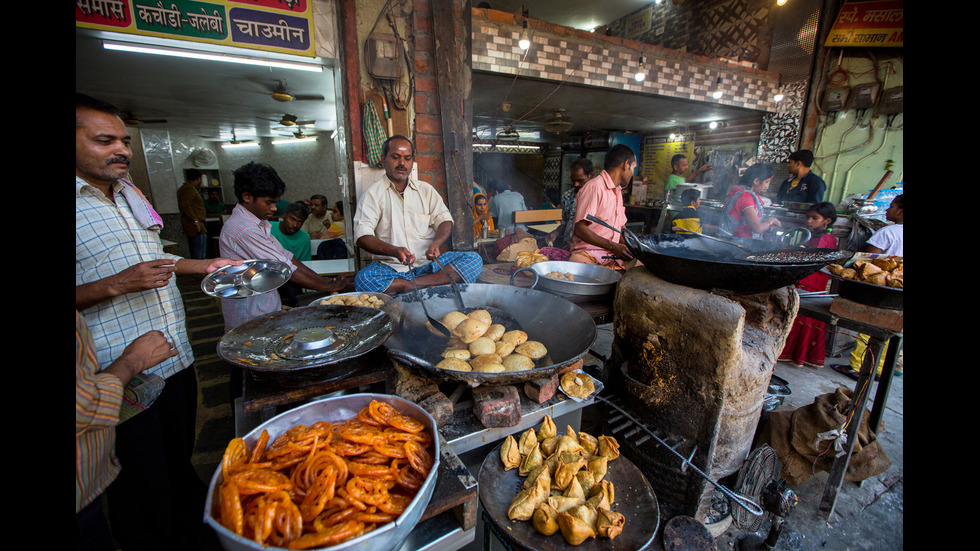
(429, 157)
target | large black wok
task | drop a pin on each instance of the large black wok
(563, 328)
(706, 264)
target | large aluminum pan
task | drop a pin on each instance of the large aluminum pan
(340, 408)
(588, 278)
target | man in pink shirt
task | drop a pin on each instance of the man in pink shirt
(602, 197)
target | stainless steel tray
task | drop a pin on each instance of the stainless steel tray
(589, 279)
(304, 338)
(385, 538)
(252, 277)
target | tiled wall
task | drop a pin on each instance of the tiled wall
(565, 54)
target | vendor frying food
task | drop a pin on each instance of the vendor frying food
(401, 220)
(601, 197)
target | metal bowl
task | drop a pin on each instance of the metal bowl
(252, 277)
(340, 408)
(589, 279)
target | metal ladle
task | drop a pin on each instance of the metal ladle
(725, 241)
(628, 236)
(435, 323)
(452, 282)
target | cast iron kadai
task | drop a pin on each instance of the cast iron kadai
(563, 328)
(302, 344)
(693, 262)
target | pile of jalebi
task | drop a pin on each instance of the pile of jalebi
(324, 484)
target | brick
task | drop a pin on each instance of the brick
(541, 390)
(428, 125)
(439, 407)
(497, 406)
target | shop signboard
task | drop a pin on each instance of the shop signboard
(282, 26)
(868, 24)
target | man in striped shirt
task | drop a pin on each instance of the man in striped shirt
(124, 287)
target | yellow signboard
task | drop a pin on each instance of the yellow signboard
(284, 26)
(868, 24)
(657, 151)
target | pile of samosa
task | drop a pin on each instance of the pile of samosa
(565, 487)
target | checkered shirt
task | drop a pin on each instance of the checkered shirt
(108, 239)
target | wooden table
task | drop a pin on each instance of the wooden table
(331, 267)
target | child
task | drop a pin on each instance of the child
(805, 344)
(687, 220)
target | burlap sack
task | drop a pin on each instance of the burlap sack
(804, 440)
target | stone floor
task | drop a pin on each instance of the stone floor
(867, 516)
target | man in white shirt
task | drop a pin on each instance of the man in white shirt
(404, 222)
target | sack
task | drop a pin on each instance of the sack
(805, 439)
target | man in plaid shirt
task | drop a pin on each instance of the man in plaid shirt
(124, 287)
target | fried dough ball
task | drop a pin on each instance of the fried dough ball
(532, 349)
(495, 331)
(481, 346)
(485, 359)
(481, 315)
(518, 362)
(454, 364)
(503, 349)
(489, 367)
(452, 319)
(514, 337)
(458, 353)
(470, 329)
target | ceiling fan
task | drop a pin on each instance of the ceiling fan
(233, 141)
(291, 120)
(132, 120)
(280, 94)
(299, 134)
(558, 122)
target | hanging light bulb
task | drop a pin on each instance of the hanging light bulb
(779, 95)
(525, 41)
(640, 72)
(717, 93)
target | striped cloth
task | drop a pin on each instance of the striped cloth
(97, 400)
(377, 276)
(374, 134)
(108, 239)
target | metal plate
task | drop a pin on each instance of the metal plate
(341, 408)
(870, 294)
(304, 338)
(635, 500)
(589, 279)
(252, 277)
